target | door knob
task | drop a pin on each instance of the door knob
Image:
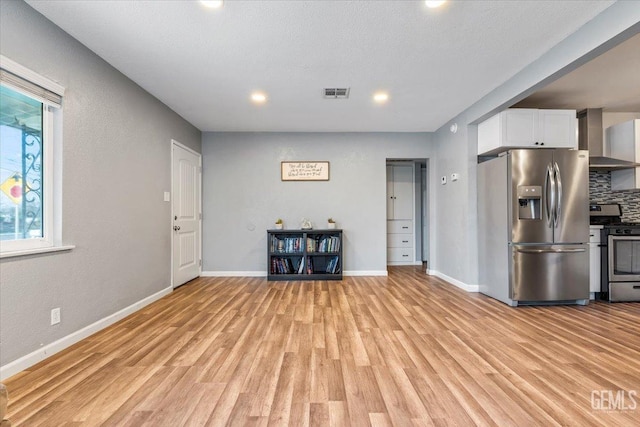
(176, 227)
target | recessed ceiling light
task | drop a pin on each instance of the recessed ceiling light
(213, 4)
(258, 97)
(381, 97)
(434, 3)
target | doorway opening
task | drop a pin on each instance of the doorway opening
(186, 214)
(407, 212)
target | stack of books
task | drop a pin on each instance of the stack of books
(286, 245)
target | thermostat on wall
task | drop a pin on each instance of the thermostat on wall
(443, 180)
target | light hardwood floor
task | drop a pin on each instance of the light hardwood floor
(408, 349)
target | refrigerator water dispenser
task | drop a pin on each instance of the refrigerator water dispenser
(529, 200)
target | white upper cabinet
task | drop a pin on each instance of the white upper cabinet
(528, 128)
(624, 144)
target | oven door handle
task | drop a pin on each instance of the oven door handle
(550, 251)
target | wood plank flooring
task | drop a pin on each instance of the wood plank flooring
(403, 350)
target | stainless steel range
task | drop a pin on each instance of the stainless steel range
(620, 259)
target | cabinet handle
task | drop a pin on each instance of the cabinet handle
(405, 241)
(405, 255)
(405, 228)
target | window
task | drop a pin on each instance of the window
(30, 108)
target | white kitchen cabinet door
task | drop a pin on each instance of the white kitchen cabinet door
(520, 127)
(527, 128)
(557, 129)
(400, 192)
(624, 143)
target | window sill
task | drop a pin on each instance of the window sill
(37, 251)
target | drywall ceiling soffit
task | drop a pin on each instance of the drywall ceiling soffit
(611, 82)
(204, 63)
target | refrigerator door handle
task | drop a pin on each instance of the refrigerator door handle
(556, 170)
(549, 197)
(550, 251)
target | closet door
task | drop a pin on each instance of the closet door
(390, 192)
(402, 193)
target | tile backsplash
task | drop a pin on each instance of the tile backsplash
(600, 192)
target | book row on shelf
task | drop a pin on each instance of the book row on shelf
(324, 244)
(286, 245)
(294, 244)
(291, 266)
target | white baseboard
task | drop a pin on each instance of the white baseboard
(455, 282)
(264, 273)
(234, 274)
(401, 263)
(40, 354)
(365, 273)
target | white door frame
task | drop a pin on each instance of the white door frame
(184, 147)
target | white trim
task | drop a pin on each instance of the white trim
(28, 74)
(264, 273)
(234, 274)
(365, 273)
(37, 251)
(40, 354)
(184, 147)
(52, 189)
(454, 282)
(400, 263)
(199, 155)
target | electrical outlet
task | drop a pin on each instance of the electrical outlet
(55, 316)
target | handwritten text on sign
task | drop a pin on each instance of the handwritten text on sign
(305, 171)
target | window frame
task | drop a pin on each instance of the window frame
(51, 150)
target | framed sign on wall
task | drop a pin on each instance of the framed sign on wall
(304, 171)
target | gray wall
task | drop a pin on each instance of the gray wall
(455, 203)
(243, 194)
(116, 155)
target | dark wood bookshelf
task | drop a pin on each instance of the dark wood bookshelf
(304, 254)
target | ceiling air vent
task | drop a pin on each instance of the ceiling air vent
(336, 93)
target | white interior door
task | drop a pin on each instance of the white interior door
(186, 178)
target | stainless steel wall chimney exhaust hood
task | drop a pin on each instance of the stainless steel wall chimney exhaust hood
(590, 137)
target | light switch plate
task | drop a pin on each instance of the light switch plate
(167, 196)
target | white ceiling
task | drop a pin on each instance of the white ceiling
(205, 63)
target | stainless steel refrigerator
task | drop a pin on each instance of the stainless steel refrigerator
(533, 226)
